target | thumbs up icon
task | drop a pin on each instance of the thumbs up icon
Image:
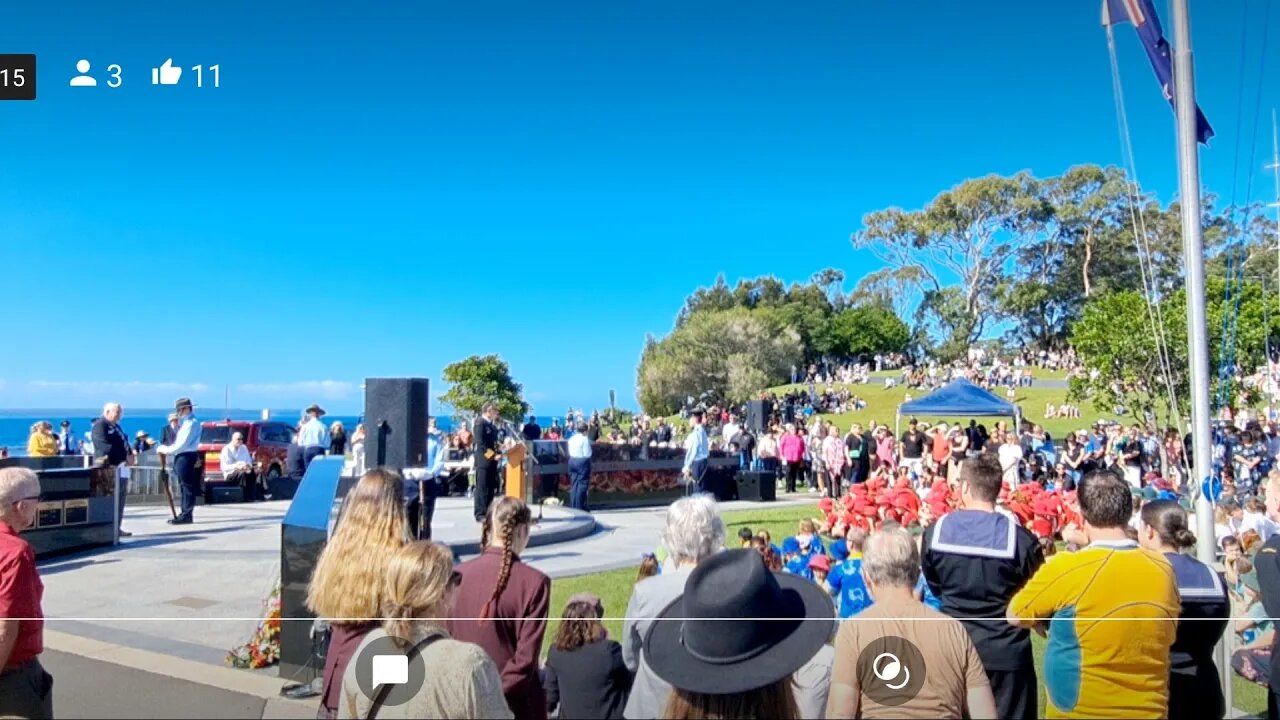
(166, 74)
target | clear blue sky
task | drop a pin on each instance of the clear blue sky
(378, 189)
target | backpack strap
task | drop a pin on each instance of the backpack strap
(380, 696)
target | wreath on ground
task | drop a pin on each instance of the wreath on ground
(263, 649)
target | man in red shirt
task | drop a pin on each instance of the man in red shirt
(25, 688)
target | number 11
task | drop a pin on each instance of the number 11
(199, 69)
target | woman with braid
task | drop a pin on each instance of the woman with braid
(502, 606)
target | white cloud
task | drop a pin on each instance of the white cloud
(314, 389)
(114, 388)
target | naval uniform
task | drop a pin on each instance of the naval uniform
(974, 561)
(1194, 689)
(1267, 562)
(486, 462)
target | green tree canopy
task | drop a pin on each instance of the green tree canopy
(730, 354)
(1116, 342)
(478, 380)
(868, 329)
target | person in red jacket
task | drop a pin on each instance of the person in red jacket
(25, 687)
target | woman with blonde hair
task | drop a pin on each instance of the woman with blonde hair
(347, 585)
(42, 443)
(357, 447)
(833, 452)
(458, 678)
(337, 439)
(502, 606)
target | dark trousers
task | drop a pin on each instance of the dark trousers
(122, 489)
(26, 691)
(486, 487)
(248, 482)
(422, 507)
(579, 482)
(855, 473)
(184, 469)
(1273, 705)
(794, 474)
(699, 471)
(1196, 694)
(1015, 692)
(309, 454)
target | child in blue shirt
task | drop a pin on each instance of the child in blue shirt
(794, 561)
(845, 579)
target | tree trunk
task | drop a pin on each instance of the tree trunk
(1088, 257)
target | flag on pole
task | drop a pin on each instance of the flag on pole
(1142, 15)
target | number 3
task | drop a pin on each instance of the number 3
(115, 71)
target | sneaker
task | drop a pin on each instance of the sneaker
(813, 490)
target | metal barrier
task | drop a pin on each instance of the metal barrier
(144, 480)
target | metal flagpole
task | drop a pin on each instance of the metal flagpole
(1274, 167)
(1193, 251)
(1197, 332)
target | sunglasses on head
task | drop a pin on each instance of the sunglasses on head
(455, 579)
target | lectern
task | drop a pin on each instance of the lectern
(517, 479)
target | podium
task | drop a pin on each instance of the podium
(516, 482)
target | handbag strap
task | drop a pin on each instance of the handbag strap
(384, 690)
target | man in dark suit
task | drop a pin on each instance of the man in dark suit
(532, 430)
(487, 454)
(170, 432)
(111, 449)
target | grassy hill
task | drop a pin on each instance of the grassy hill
(883, 402)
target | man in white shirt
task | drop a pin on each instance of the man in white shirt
(1010, 454)
(314, 436)
(730, 429)
(183, 453)
(579, 468)
(237, 466)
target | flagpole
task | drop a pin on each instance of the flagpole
(1197, 329)
(1193, 251)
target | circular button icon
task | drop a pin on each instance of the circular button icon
(389, 669)
(891, 670)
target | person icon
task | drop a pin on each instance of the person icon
(83, 79)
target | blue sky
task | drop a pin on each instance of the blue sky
(379, 189)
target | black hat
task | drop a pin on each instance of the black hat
(315, 410)
(738, 626)
(66, 423)
(183, 403)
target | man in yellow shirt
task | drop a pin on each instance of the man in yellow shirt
(1112, 611)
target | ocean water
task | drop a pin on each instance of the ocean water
(15, 425)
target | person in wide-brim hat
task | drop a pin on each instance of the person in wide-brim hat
(183, 403)
(738, 627)
(315, 410)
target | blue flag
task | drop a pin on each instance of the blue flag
(1143, 17)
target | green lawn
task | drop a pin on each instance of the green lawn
(614, 589)
(882, 406)
(614, 586)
